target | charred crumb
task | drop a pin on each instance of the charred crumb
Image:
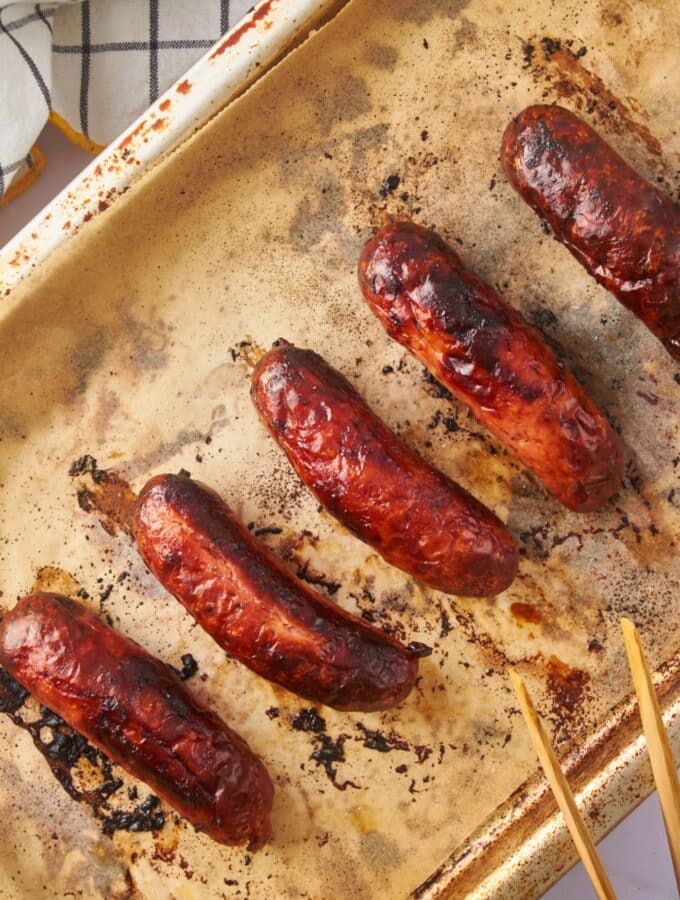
(633, 477)
(260, 532)
(422, 752)
(542, 317)
(528, 51)
(85, 500)
(419, 649)
(64, 749)
(189, 667)
(375, 740)
(436, 389)
(328, 754)
(651, 398)
(106, 593)
(387, 370)
(435, 420)
(184, 473)
(329, 750)
(550, 46)
(308, 720)
(390, 185)
(594, 646)
(84, 465)
(450, 424)
(424, 134)
(306, 574)
(401, 769)
(12, 694)
(273, 712)
(445, 623)
(545, 228)
(146, 817)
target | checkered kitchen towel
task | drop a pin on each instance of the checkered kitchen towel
(92, 68)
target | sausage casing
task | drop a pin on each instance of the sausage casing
(137, 711)
(620, 227)
(489, 358)
(417, 518)
(242, 595)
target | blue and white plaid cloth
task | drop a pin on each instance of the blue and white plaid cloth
(96, 64)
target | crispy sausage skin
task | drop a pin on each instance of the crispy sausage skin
(241, 594)
(623, 230)
(137, 711)
(415, 517)
(489, 358)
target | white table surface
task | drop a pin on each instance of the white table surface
(635, 854)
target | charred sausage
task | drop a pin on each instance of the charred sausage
(623, 230)
(415, 517)
(242, 595)
(489, 358)
(137, 711)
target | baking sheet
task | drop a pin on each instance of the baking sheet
(133, 343)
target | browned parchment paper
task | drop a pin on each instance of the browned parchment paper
(129, 345)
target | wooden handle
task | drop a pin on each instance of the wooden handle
(565, 799)
(658, 744)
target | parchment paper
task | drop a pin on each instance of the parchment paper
(128, 345)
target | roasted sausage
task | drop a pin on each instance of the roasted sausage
(623, 230)
(242, 595)
(415, 517)
(489, 358)
(137, 711)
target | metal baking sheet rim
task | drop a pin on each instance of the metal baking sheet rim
(611, 771)
(236, 61)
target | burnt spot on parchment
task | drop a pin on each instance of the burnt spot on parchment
(466, 36)
(248, 351)
(382, 56)
(568, 688)
(421, 12)
(316, 213)
(105, 491)
(86, 357)
(143, 343)
(329, 750)
(84, 772)
(558, 63)
(350, 94)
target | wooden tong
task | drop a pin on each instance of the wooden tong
(660, 753)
